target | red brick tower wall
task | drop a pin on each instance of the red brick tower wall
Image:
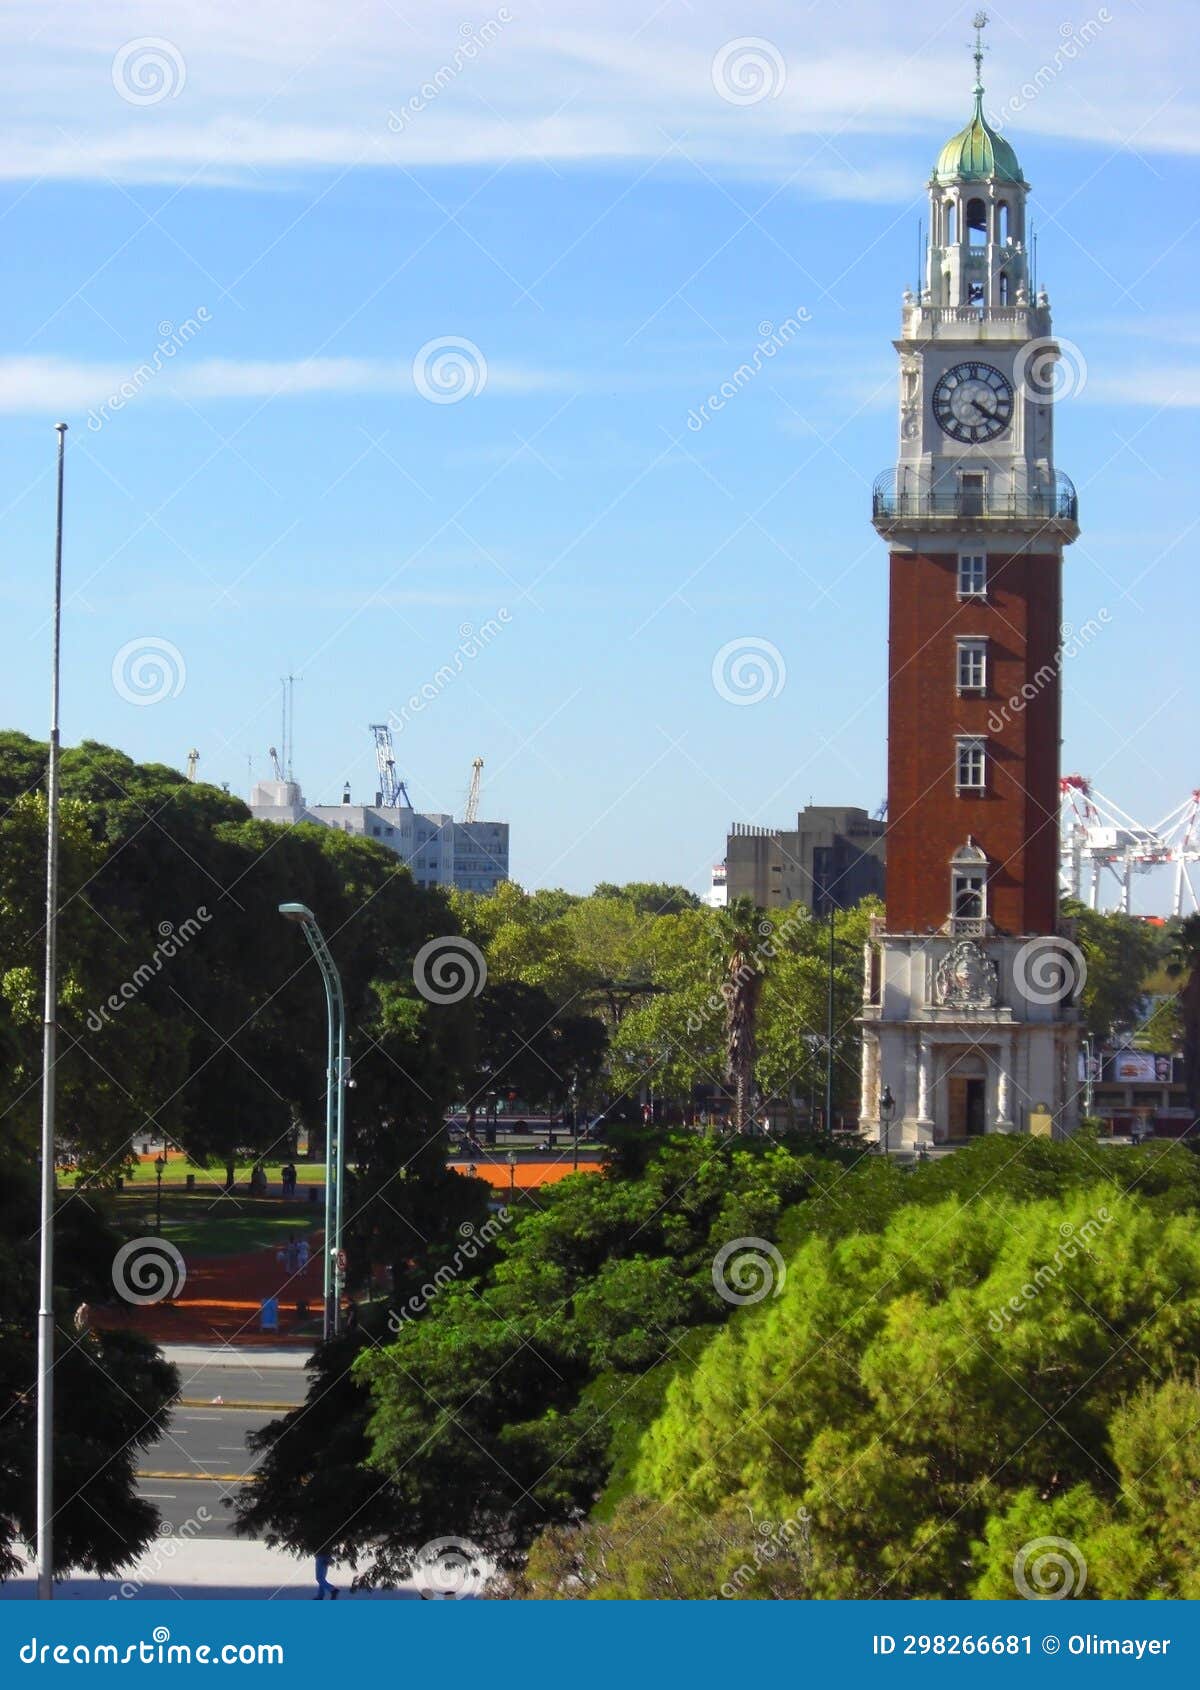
(1016, 820)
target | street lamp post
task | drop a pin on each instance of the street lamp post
(335, 1110)
(159, 1165)
(887, 1108)
(829, 1021)
(575, 1124)
(45, 1326)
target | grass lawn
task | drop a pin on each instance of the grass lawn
(213, 1179)
(201, 1225)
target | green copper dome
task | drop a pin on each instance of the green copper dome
(977, 153)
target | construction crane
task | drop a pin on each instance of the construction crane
(1096, 834)
(392, 790)
(193, 759)
(472, 810)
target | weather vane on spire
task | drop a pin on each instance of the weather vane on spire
(979, 24)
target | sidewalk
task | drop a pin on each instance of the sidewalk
(192, 1570)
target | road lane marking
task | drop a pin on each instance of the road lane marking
(201, 1478)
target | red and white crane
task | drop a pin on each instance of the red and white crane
(1096, 836)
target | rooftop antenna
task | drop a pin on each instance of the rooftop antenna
(287, 726)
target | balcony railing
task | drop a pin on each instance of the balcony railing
(1057, 504)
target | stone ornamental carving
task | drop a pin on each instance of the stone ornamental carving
(966, 976)
(910, 397)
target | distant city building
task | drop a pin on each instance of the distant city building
(438, 850)
(717, 895)
(833, 853)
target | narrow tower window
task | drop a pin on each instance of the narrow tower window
(1003, 223)
(972, 575)
(977, 222)
(970, 771)
(968, 883)
(951, 222)
(971, 665)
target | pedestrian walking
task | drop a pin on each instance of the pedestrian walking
(302, 1254)
(324, 1588)
(290, 1255)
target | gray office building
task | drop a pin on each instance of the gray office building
(833, 853)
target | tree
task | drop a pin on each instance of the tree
(1135, 1544)
(506, 1399)
(666, 1551)
(743, 989)
(1184, 964)
(112, 1392)
(1119, 952)
(909, 1386)
(650, 898)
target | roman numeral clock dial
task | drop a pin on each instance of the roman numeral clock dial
(973, 403)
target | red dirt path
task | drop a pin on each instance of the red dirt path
(221, 1299)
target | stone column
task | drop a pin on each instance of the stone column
(870, 1075)
(924, 1089)
(1004, 1057)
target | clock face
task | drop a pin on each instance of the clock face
(972, 403)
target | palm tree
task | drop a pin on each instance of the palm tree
(742, 989)
(1184, 963)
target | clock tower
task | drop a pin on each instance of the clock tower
(970, 1018)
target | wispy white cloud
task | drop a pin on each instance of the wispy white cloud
(62, 385)
(1166, 387)
(255, 92)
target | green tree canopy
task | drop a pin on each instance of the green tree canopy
(909, 1386)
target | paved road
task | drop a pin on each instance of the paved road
(194, 1466)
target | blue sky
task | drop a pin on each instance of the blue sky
(608, 235)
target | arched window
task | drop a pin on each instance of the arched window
(1003, 222)
(946, 287)
(1004, 288)
(977, 222)
(968, 883)
(950, 213)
